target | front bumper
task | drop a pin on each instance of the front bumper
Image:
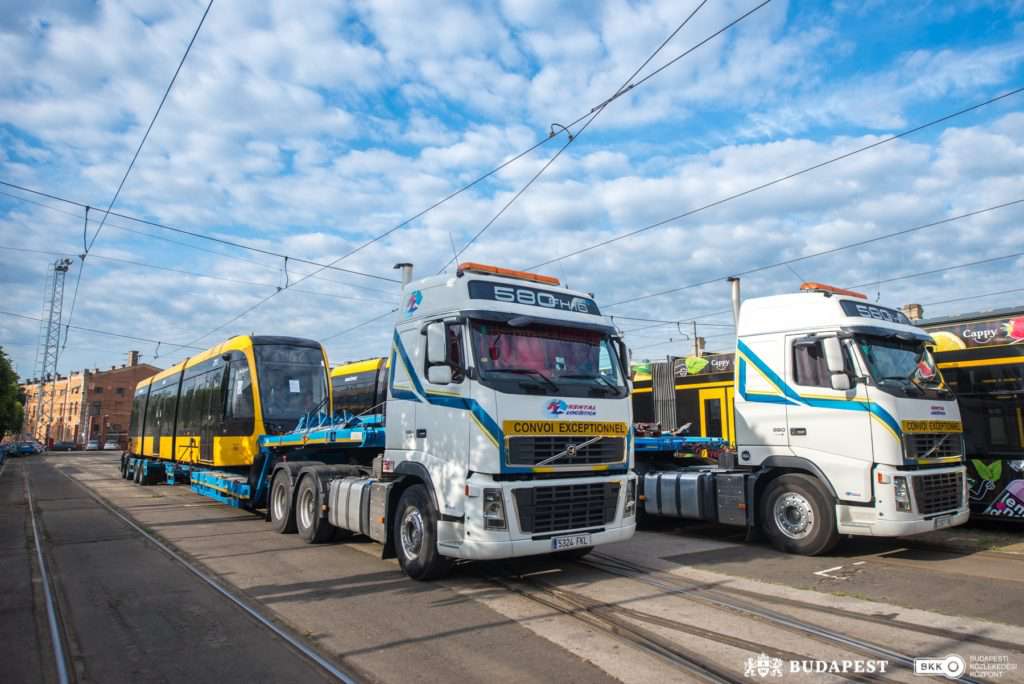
(469, 540)
(884, 520)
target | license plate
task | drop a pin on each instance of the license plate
(944, 521)
(569, 541)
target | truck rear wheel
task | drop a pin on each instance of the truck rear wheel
(311, 526)
(798, 517)
(282, 507)
(415, 536)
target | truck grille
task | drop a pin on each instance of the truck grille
(529, 451)
(566, 507)
(939, 492)
(918, 445)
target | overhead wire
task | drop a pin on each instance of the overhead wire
(187, 245)
(131, 165)
(833, 250)
(359, 325)
(780, 179)
(201, 236)
(627, 84)
(140, 264)
(94, 330)
(543, 141)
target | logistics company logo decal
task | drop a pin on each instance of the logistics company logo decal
(413, 303)
(559, 407)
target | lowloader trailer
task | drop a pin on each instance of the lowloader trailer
(843, 426)
(504, 431)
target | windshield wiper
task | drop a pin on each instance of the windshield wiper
(580, 376)
(531, 372)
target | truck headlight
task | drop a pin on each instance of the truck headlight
(494, 510)
(630, 508)
(902, 494)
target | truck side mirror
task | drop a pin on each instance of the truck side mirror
(439, 375)
(834, 355)
(437, 344)
(833, 349)
(840, 381)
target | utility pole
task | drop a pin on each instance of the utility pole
(48, 350)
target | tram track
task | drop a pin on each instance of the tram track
(727, 599)
(297, 645)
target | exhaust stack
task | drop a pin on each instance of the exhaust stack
(406, 270)
(735, 283)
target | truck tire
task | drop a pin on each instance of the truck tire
(281, 504)
(311, 526)
(124, 467)
(798, 516)
(138, 473)
(414, 532)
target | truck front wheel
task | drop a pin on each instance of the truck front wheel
(415, 536)
(798, 517)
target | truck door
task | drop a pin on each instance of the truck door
(831, 428)
(443, 422)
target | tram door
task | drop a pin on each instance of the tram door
(716, 418)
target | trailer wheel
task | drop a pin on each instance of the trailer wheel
(415, 536)
(138, 473)
(124, 467)
(281, 504)
(312, 527)
(798, 517)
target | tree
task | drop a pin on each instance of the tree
(12, 399)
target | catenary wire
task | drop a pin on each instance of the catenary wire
(223, 241)
(358, 325)
(131, 165)
(833, 250)
(593, 114)
(187, 245)
(572, 138)
(543, 141)
(780, 179)
(977, 296)
(194, 274)
(96, 331)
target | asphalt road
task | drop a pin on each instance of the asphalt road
(132, 614)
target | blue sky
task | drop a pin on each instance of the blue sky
(307, 129)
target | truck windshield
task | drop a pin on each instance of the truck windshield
(292, 381)
(547, 360)
(895, 361)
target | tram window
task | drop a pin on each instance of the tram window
(997, 427)
(239, 412)
(713, 417)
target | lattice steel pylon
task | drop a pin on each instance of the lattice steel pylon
(48, 350)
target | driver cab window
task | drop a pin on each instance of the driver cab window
(809, 366)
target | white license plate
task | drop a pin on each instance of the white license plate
(569, 541)
(944, 521)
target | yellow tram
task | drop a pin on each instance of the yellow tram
(211, 408)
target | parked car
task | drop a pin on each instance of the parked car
(111, 444)
(63, 446)
(27, 449)
(92, 445)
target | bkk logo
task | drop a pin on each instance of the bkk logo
(558, 408)
(413, 303)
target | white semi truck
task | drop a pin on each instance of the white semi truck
(506, 430)
(842, 426)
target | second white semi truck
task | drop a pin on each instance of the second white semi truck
(842, 426)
